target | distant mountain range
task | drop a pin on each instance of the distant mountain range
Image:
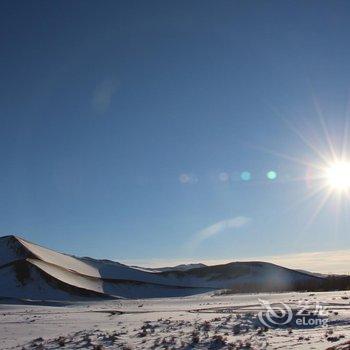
(29, 271)
(182, 267)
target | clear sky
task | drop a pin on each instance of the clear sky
(143, 130)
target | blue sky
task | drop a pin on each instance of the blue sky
(106, 106)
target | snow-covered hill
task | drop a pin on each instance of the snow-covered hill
(30, 271)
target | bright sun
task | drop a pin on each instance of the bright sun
(338, 175)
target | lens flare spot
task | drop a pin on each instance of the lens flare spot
(246, 176)
(184, 178)
(224, 177)
(271, 175)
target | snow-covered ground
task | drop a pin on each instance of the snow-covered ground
(205, 321)
(83, 305)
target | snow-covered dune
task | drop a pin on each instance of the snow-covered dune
(11, 249)
(66, 261)
(24, 280)
(15, 248)
(28, 270)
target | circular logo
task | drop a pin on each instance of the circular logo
(280, 315)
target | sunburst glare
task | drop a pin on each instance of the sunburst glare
(328, 175)
(338, 176)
